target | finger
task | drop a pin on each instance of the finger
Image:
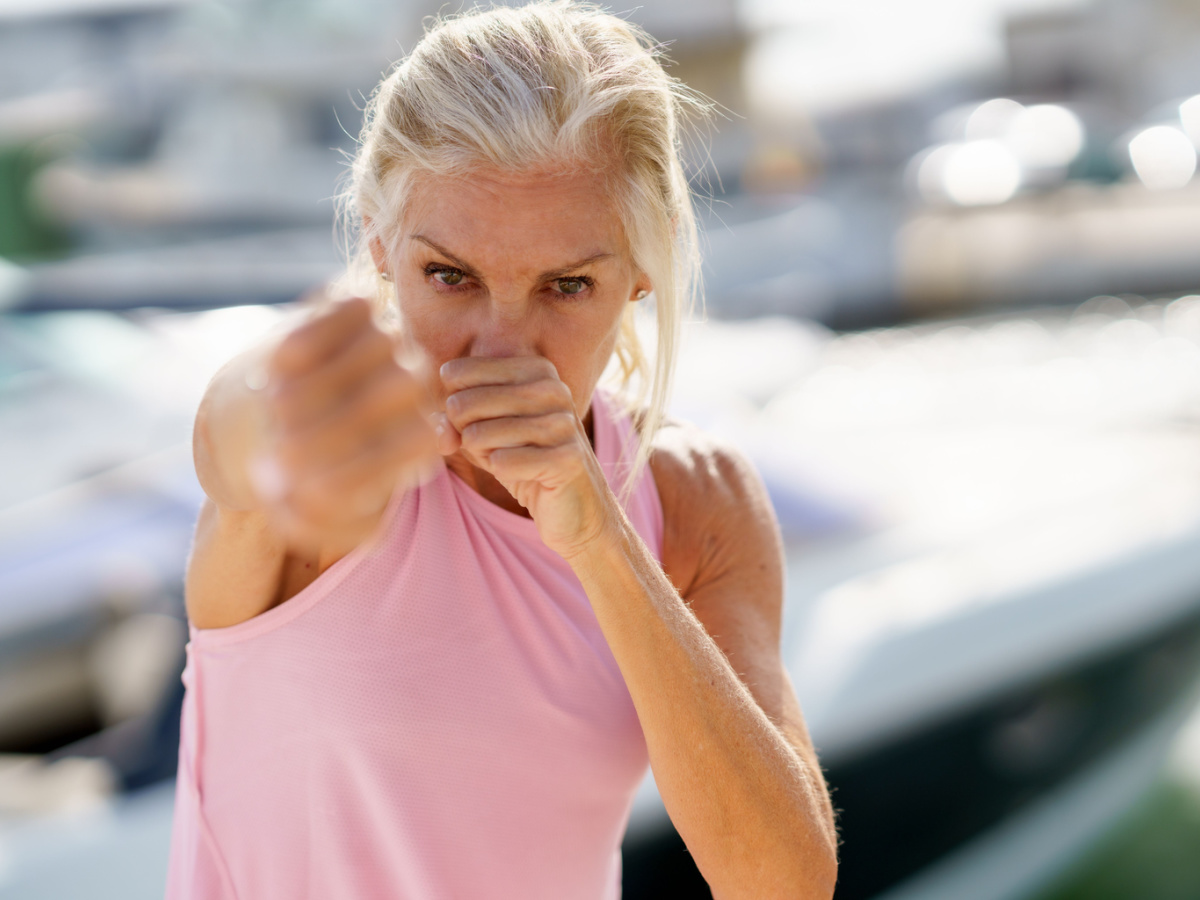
(360, 487)
(548, 430)
(448, 438)
(344, 496)
(513, 465)
(303, 400)
(469, 371)
(497, 401)
(320, 338)
(387, 402)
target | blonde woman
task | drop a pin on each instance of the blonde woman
(447, 598)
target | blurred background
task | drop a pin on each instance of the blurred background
(951, 249)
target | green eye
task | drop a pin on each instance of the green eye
(449, 277)
(571, 285)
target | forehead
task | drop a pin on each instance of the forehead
(542, 218)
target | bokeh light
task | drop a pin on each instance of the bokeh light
(1005, 146)
(972, 173)
(1163, 157)
(1045, 135)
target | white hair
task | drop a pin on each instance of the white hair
(551, 83)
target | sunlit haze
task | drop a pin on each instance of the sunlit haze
(828, 54)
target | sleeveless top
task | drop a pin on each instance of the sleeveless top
(438, 715)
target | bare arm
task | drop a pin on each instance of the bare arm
(329, 437)
(728, 745)
(731, 756)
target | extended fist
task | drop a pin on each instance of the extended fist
(345, 425)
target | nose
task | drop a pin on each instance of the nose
(505, 329)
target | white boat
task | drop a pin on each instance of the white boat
(995, 663)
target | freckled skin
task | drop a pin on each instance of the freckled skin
(511, 229)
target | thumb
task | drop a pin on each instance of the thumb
(448, 438)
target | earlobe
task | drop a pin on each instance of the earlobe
(641, 290)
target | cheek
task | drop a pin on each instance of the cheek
(581, 354)
(434, 338)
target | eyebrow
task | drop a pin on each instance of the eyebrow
(545, 276)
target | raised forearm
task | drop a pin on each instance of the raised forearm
(751, 807)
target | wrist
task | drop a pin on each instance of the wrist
(609, 541)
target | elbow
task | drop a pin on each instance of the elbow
(823, 880)
(822, 855)
(816, 882)
(825, 867)
(817, 876)
(828, 861)
(810, 874)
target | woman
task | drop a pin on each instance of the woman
(444, 613)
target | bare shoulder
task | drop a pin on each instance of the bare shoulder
(723, 552)
(718, 522)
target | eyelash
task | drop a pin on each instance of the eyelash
(434, 269)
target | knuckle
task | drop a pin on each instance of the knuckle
(543, 391)
(353, 309)
(472, 433)
(560, 391)
(299, 338)
(292, 349)
(563, 423)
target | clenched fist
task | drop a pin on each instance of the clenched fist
(344, 425)
(514, 418)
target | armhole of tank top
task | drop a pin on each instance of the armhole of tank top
(310, 595)
(655, 511)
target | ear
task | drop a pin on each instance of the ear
(378, 254)
(641, 289)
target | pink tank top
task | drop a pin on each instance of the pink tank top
(438, 715)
